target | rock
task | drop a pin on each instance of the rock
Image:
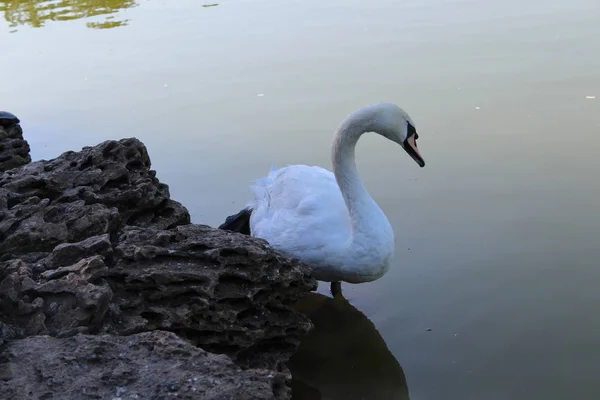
(92, 244)
(79, 195)
(8, 333)
(68, 253)
(225, 292)
(60, 303)
(150, 365)
(14, 150)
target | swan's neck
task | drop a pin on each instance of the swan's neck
(369, 223)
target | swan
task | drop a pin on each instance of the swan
(327, 219)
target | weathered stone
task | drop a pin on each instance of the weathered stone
(63, 302)
(91, 243)
(14, 150)
(227, 293)
(78, 195)
(151, 365)
(68, 253)
(8, 333)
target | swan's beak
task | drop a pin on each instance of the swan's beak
(410, 145)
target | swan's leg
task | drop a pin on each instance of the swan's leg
(336, 288)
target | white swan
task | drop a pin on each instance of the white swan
(329, 220)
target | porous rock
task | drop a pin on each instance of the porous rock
(226, 292)
(14, 150)
(151, 365)
(82, 194)
(92, 244)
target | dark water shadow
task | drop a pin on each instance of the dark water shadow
(344, 356)
(36, 13)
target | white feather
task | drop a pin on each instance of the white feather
(340, 233)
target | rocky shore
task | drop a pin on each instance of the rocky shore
(107, 291)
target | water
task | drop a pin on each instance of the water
(497, 237)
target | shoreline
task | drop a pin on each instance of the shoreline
(93, 250)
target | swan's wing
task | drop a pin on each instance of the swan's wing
(299, 209)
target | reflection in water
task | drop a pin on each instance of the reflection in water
(35, 13)
(344, 356)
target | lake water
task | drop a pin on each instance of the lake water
(495, 289)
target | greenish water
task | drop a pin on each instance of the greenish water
(494, 291)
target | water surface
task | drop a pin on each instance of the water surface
(494, 290)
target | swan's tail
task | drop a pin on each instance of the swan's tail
(260, 188)
(239, 222)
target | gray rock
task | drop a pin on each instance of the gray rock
(14, 150)
(92, 244)
(225, 292)
(79, 195)
(151, 365)
(8, 333)
(68, 253)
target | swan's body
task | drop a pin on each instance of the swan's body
(301, 210)
(328, 219)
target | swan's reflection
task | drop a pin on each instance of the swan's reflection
(344, 356)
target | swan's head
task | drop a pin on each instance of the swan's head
(395, 124)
